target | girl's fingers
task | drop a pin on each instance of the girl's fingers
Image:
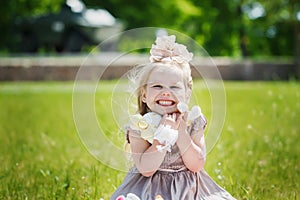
(164, 117)
(175, 120)
(185, 116)
(179, 120)
(182, 120)
(171, 117)
(174, 116)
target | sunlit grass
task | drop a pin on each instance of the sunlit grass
(42, 157)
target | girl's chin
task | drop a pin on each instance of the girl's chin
(167, 111)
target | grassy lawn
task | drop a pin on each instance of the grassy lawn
(42, 157)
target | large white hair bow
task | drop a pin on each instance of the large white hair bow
(166, 49)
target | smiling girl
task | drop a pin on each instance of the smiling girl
(167, 147)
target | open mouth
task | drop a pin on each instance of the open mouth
(165, 102)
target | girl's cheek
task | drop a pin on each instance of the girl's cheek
(180, 94)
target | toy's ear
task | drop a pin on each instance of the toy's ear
(182, 107)
(194, 113)
(121, 197)
(131, 196)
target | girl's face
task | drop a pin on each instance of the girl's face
(164, 90)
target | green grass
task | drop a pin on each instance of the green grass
(42, 157)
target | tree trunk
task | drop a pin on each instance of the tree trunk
(297, 49)
(242, 35)
(296, 23)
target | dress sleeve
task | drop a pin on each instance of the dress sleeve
(132, 131)
(199, 123)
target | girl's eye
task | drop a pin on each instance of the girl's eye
(175, 87)
(157, 86)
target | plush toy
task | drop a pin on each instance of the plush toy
(150, 127)
(147, 124)
(130, 196)
(194, 113)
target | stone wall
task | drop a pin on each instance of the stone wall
(111, 66)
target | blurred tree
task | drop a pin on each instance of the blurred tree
(269, 26)
(221, 38)
(286, 18)
(273, 28)
(12, 9)
(224, 28)
(205, 21)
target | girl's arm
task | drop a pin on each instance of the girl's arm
(146, 157)
(192, 148)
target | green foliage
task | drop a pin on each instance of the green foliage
(12, 10)
(218, 25)
(224, 28)
(42, 157)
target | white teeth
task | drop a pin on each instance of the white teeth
(165, 103)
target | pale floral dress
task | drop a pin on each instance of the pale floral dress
(173, 181)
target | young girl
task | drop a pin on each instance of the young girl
(167, 144)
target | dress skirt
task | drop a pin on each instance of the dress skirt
(182, 185)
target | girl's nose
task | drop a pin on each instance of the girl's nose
(166, 93)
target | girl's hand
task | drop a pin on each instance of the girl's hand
(176, 121)
(182, 123)
(170, 120)
(167, 132)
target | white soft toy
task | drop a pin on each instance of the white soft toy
(147, 124)
(150, 127)
(166, 136)
(193, 114)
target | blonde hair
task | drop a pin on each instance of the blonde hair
(140, 76)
